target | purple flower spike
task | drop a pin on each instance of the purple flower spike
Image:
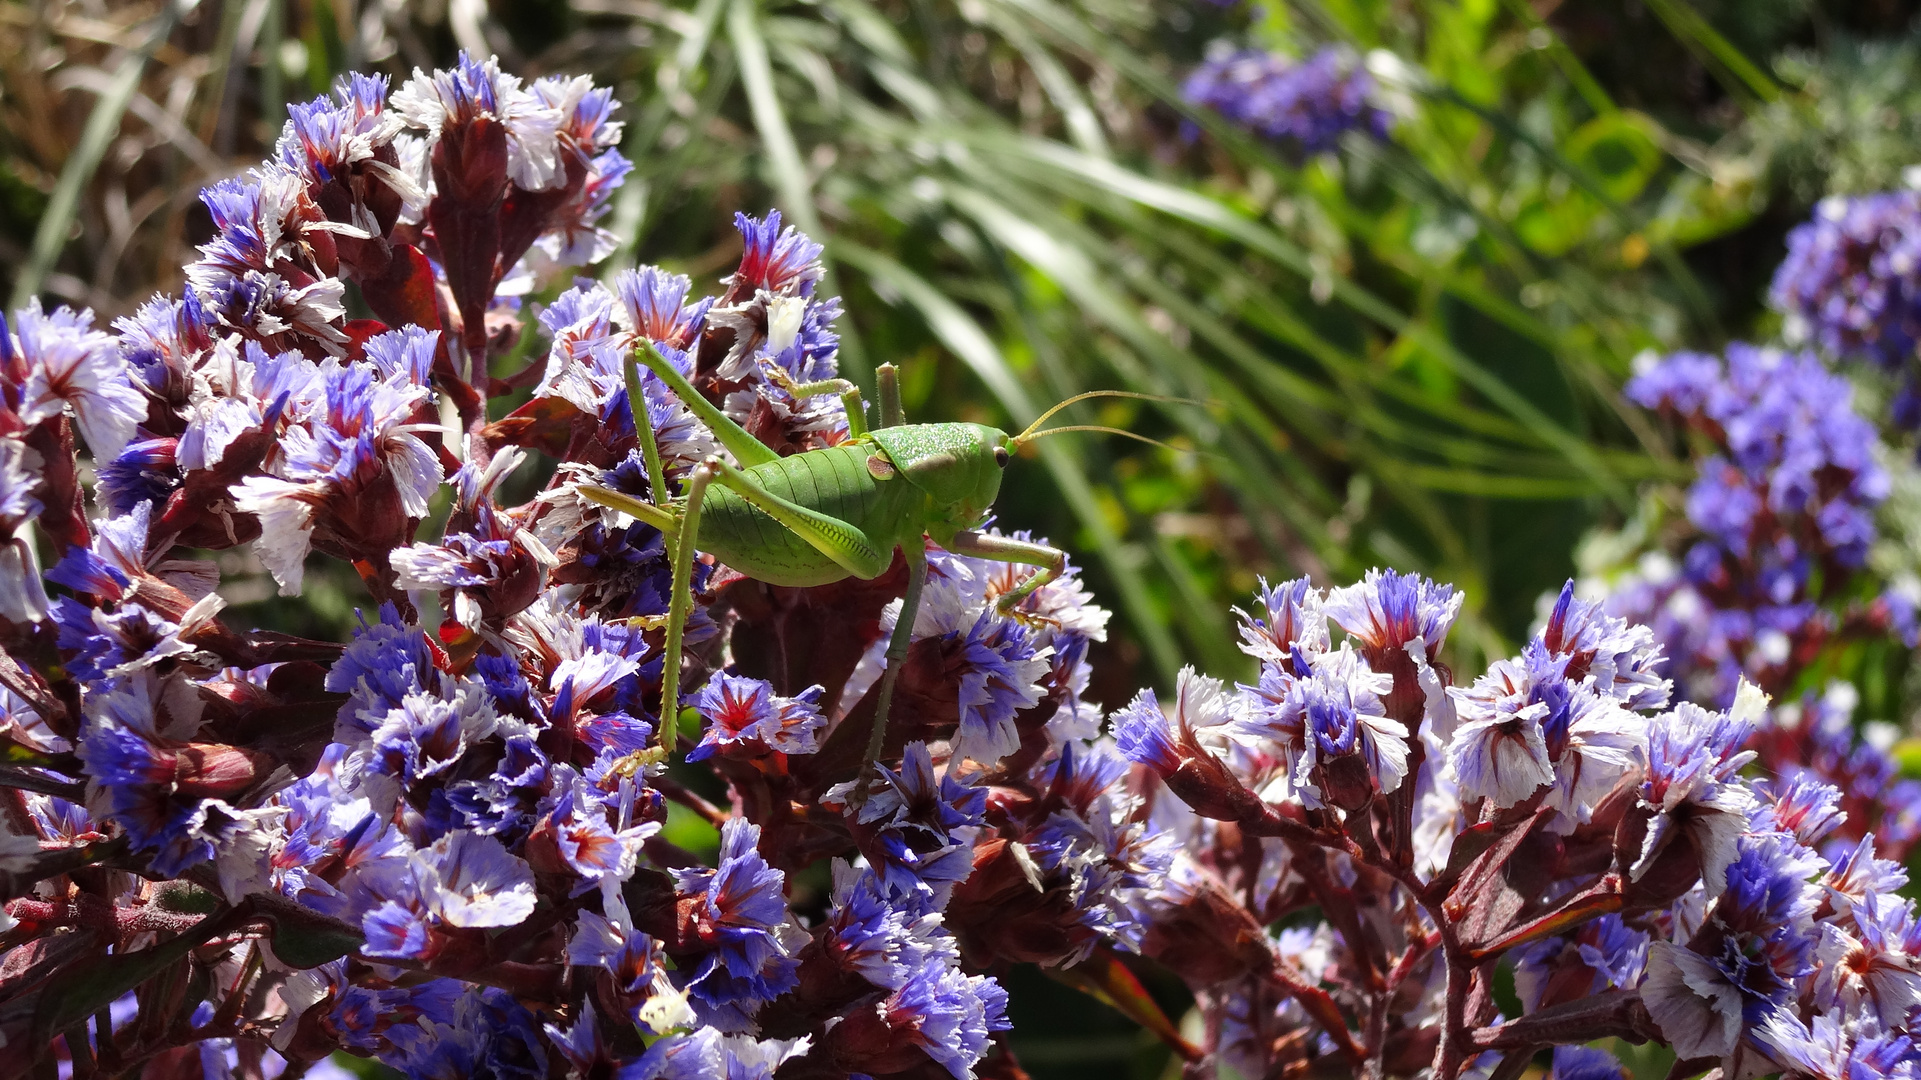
(742, 942)
(1305, 105)
(746, 714)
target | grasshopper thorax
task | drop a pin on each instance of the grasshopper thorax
(957, 465)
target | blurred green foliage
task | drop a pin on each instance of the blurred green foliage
(1412, 349)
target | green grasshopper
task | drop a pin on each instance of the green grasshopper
(825, 515)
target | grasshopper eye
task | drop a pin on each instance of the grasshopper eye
(1000, 456)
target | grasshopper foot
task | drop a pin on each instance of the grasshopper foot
(1029, 619)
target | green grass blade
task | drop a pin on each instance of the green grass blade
(103, 123)
(1731, 67)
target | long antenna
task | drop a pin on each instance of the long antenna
(1100, 428)
(1029, 433)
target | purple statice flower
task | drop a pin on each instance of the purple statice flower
(654, 306)
(587, 133)
(781, 332)
(1500, 750)
(357, 459)
(386, 661)
(181, 801)
(898, 946)
(1001, 669)
(1742, 966)
(483, 1031)
(164, 340)
(577, 322)
(24, 723)
(919, 829)
(1871, 960)
(1304, 105)
(464, 880)
(605, 659)
(777, 260)
(70, 365)
(1622, 660)
(120, 556)
(326, 836)
(258, 278)
(872, 930)
(634, 964)
(1387, 611)
(421, 738)
(1146, 734)
(264, 395)
(594, 834)
(501, 803)
(145, 474)
(1691, 787)
(1852, 277)
(745, 715)
(1290, 620)
(1063, 609)
(739, 946)
(581, 1045)
(110, 644)
(1799, 805)
(1602, 955)
(1111, 864)
(1526, 725)
(706, 1053)
(469, 880)
(475, 89)
(1831, 1047)
(324, 139)
(494, 568)
(949, 1014)
(999, 665)
(23, 598)
(586, 363)
(1331, 728)
(1855, 873)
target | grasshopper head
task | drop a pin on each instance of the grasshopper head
(958, 465)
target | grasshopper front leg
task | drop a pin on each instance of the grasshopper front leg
(679, 532)
(1052, 563)
(849, 394)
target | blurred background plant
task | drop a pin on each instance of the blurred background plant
(1413, 342)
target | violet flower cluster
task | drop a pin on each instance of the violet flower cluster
(1558, 817)
(440, 844)
(1305, 106)
(445, 843)
(1781, 516)
(1851, 283)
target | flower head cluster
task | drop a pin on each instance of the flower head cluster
(1783, 512)
(439, 844)
(1852, 283)
(1303, 105)
(1617, 851)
